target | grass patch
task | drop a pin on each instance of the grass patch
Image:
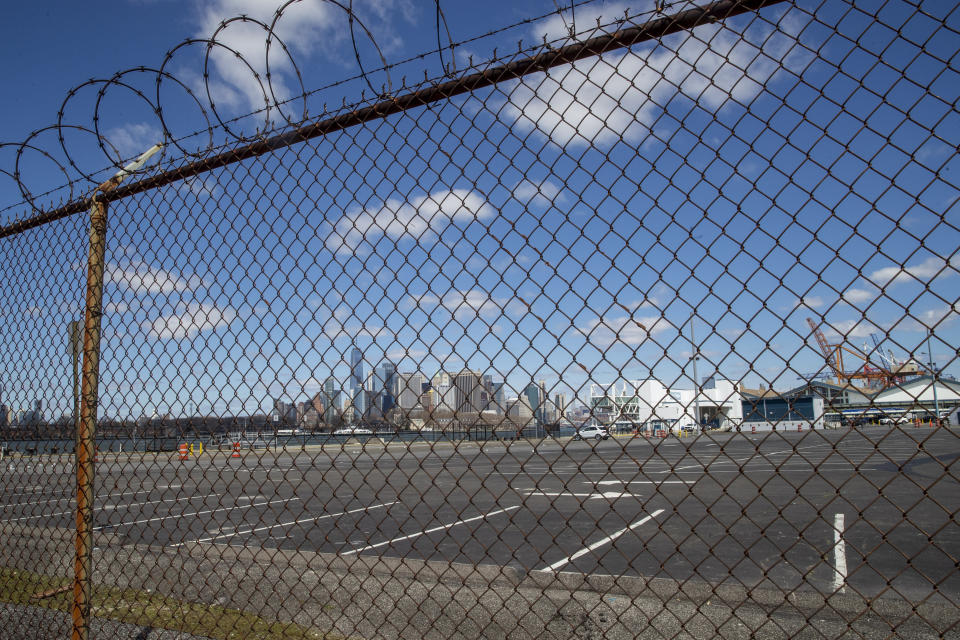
(148, 609)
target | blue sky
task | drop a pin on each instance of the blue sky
(750, 176)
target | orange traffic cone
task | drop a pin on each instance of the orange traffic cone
(183, 452)
(236, 450)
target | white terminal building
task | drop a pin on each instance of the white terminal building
(627, 405)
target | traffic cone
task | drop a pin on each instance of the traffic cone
(236, 450)
(183, 451)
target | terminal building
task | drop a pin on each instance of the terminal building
(649, 405)
(918, 399)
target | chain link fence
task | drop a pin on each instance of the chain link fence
(647, 330)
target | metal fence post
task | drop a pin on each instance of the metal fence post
(89, 398)
(87, 423)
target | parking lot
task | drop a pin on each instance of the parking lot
(871, 512)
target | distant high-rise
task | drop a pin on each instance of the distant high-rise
(284, 412)
(444, 397)
(470, 396)
(519, 408)
(560, 403)
(361, 403)
(383, 386)
(318, 402)
(356, 370)
(532, 395)
(499, 401)
(332, 398)
(408, 389)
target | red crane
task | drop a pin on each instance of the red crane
(833, 354)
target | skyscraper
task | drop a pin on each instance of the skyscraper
(383, 386)
(560, 402)
(408, 389)
(356, 370)
(532, 394)
(361, 403)
(332, 401)
(499, 401)
(470, 396)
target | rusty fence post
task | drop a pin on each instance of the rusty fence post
(89, 397)
(88, 418)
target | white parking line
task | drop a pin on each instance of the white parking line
(195, 513)
(839, 555)
(606, 482)
(432, 530)
(287, 524)
(102, 506)
(600, 543)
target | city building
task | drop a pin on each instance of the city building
(356, 370)
(630, 405)
(518, 409)
(499, 397)
(534, 401)
(776, 412)
(310, 419)
(333, 401)
(560, 405)
(444, 398)
(284, 412)
(360, 404)
(408, 389)
(918, 398)
(318, 402)
(470, 396)
(382, 391)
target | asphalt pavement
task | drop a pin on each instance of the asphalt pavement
(869, 514)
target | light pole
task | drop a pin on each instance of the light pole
(696, 380)
(933, 373)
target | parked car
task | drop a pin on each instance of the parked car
(595, 432)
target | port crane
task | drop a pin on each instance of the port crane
(891, 371)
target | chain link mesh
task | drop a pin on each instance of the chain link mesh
(655, 339)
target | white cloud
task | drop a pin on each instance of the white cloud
(140, 278)
(422, 218)
(630, 331)
(601, 100)
(858, 296)
(812, 302)
(731, 333)
(472, 303)
(306, 27)
(557, 26)
(929, 269)
(401, 353)
(936, 319)
(133, 139)
(542, 194)
(848, 329)
(191, 320)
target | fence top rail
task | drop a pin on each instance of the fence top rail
(546, 59)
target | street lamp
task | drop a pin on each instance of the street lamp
(696, 380)
(933, 373)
